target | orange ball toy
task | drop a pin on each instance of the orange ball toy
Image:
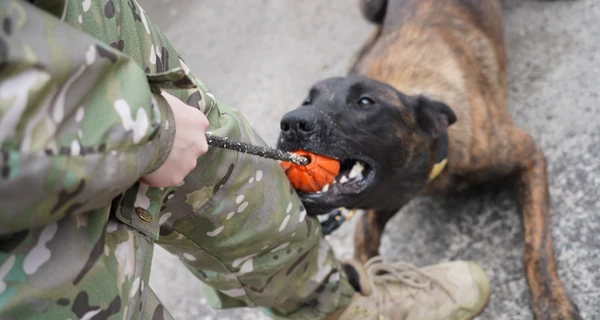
(314, 176)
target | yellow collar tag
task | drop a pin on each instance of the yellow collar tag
(441, 153)
(437, 169)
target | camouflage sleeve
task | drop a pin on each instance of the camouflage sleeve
(79, 122)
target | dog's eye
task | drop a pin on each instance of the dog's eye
(365, 102)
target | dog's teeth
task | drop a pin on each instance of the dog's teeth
(325, 188)
(353, 174)
(359, 166)
(357, 170)
(344, 179)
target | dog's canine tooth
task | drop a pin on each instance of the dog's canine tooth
(344, 179)
(325, 188)
(357, 170)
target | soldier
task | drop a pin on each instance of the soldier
(103, 154)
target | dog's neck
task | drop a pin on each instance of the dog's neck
(441, 156)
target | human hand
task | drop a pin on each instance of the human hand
(189, 144)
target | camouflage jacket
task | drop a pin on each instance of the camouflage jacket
(80, 123)
(56, 128)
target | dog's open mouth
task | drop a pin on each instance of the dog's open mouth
(355, 176)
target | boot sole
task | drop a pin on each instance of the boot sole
(487, 300)
(483, 282)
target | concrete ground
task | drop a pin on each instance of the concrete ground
(262, 56)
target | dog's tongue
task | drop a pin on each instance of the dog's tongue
(320, 172)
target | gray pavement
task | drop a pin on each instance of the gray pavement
(262, 56)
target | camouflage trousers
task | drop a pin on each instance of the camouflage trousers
(235, 221)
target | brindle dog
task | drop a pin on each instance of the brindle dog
(424, 113)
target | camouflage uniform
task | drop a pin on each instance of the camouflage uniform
(80, 123)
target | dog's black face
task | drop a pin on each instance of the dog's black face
(381, 137)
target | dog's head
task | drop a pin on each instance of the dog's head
(382, 138)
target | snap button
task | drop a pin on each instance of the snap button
(143, 214)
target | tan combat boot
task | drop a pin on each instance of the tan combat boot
(447, 291)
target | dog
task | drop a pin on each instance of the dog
(423, 112)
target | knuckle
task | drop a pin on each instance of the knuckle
(204, 123)
(201, 120)
(203, 148)
(176, 179)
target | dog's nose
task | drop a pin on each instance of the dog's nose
(299, 123)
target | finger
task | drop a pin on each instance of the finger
(162, 178)
(202, 137)
(202, 146)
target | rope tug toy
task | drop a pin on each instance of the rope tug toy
(308, 172)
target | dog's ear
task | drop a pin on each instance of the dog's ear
(432, 116)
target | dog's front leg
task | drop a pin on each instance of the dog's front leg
(513, 152)
(550, 301)
(367, 235)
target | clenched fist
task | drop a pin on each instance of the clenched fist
(189, 144)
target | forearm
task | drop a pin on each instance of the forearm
(79, 123)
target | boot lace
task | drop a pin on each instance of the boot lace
(380, 273)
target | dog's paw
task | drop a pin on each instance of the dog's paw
(556, 309)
